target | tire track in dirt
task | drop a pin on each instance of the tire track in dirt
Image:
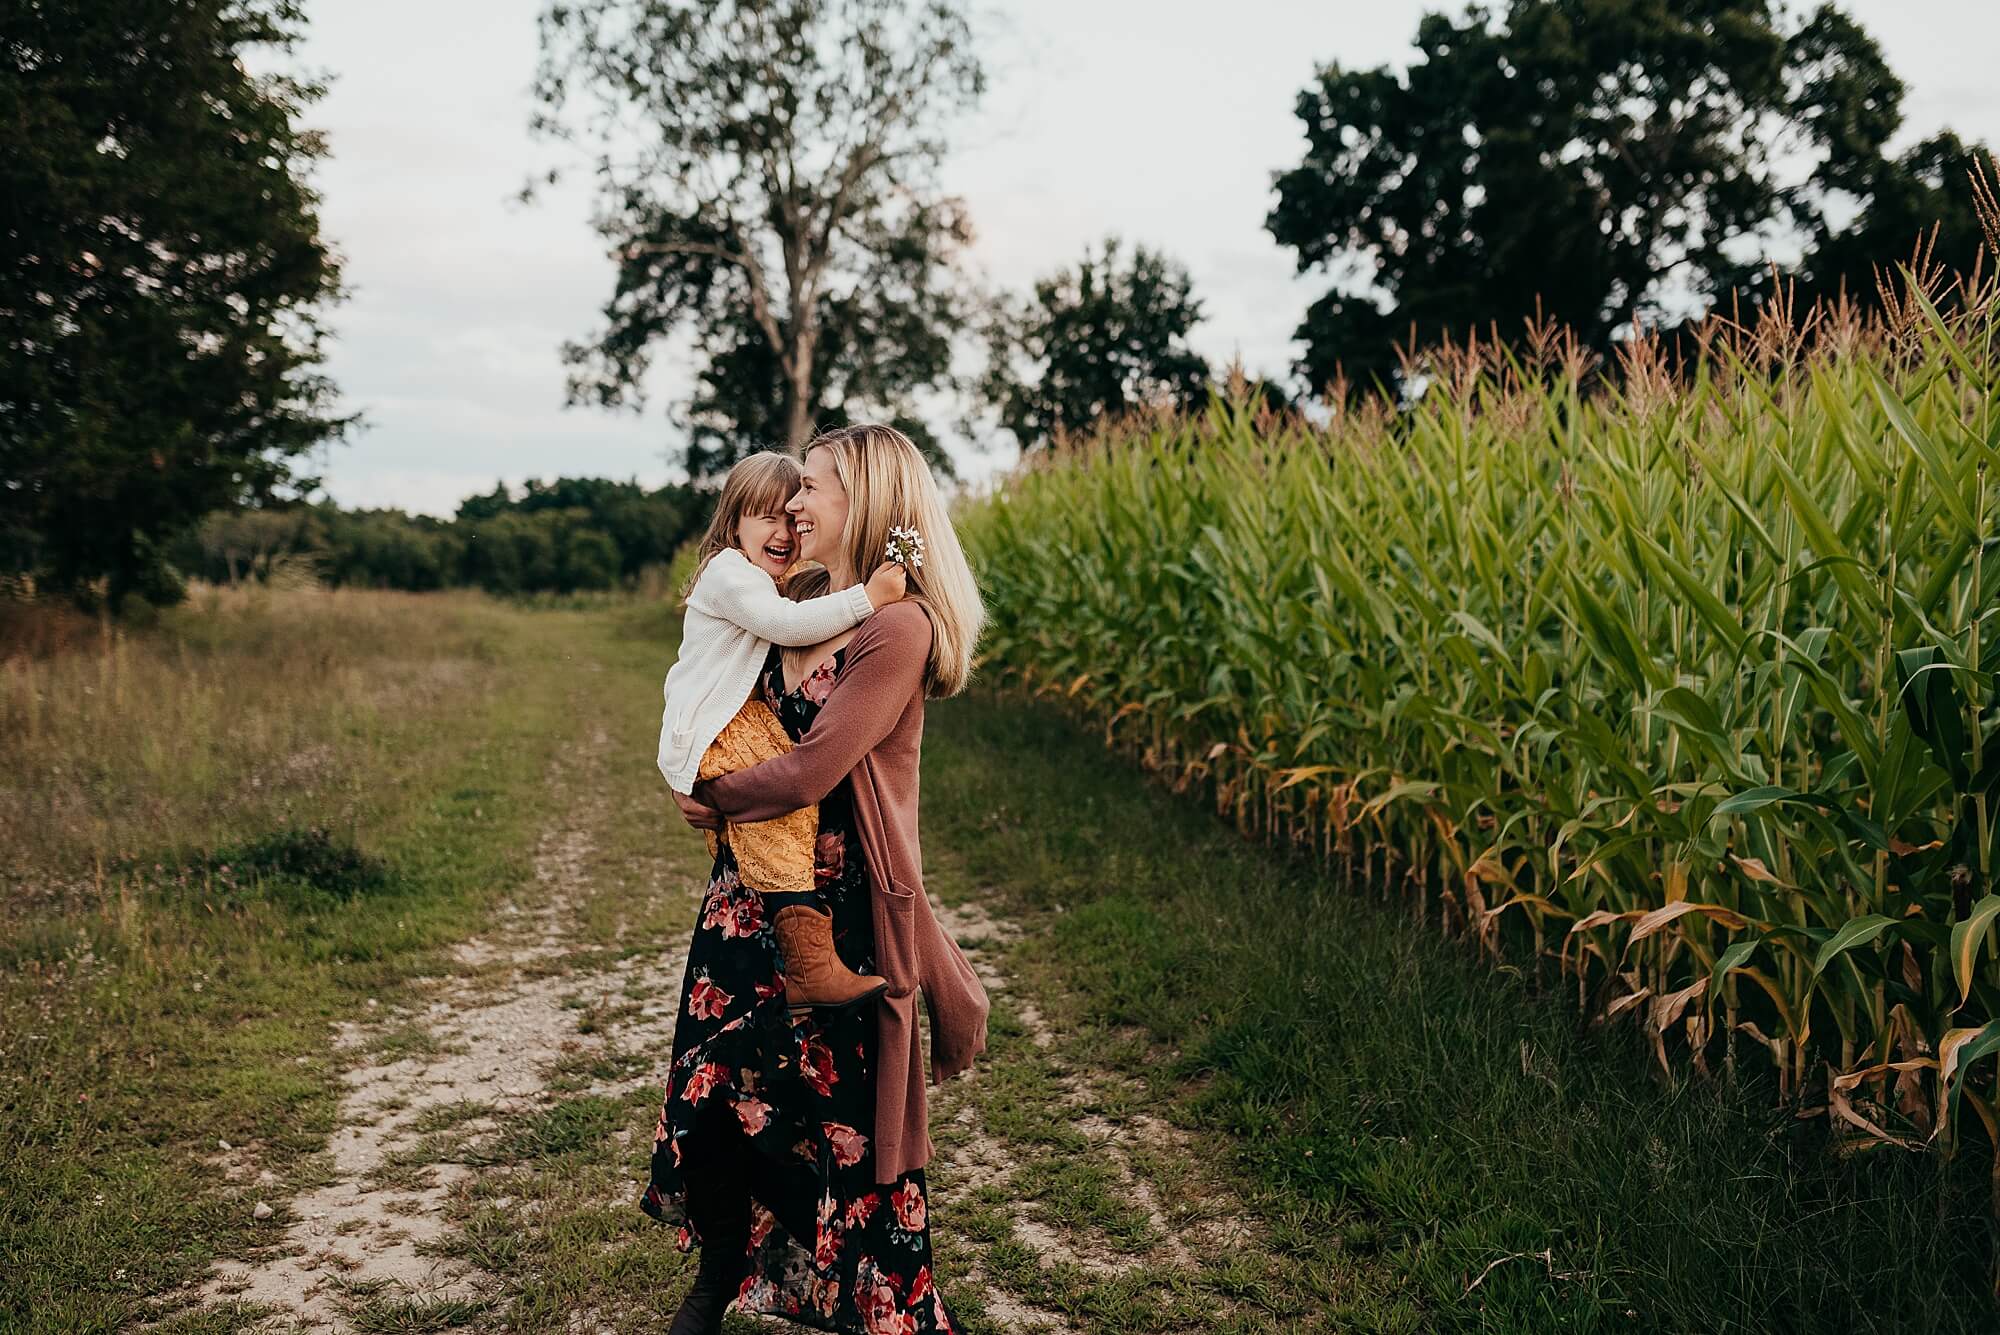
(1193, 1218)
(478, 1048)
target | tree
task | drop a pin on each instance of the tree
(628, 527)
(1093, 342)
(877, 343)
(768, 185)
(568, 534)
(1580, 158)
(644, 528)
(161, 275)
(1923, 196)
(233, 545)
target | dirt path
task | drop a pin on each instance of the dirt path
(487, 1046)
(1093, 1196)
(483, 1173)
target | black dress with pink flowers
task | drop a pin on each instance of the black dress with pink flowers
(789, 1105)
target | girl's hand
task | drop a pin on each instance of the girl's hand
(887, 585)
(699, 816)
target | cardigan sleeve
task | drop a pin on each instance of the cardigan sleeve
(884, 670)
(733, 590)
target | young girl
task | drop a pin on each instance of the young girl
(712, 725)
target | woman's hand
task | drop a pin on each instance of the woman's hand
(699, 816)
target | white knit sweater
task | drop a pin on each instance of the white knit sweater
(734, 615)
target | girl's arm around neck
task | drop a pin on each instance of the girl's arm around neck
(732, 589)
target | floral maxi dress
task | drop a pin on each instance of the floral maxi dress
(801, 1092)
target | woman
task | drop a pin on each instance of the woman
(793, 1148)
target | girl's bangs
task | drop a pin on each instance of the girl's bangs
(766, 492)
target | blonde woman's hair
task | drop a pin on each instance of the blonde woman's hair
(760, 484)
(888, 486)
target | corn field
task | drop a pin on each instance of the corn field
(1683, 687)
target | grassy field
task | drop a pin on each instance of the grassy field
(1430, 1145)
(304, 873)
(223, 835)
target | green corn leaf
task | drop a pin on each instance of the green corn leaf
(1692, 712)
(1858, 932)
(1756, 799)
(1738, 952)
(1726, 624)
(1926, 450)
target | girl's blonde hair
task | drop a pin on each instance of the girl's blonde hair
(760, 484)
(889, 485)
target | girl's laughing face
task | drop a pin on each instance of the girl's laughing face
(768, 541)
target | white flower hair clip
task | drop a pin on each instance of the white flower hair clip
(906, 547)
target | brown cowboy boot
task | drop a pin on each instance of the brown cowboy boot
(814, 975)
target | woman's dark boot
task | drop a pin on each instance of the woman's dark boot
(716, 1282)
(718, 1206)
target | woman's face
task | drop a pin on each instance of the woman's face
(819, 516)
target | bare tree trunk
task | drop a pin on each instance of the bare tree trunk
(798, 418)
(799, 422)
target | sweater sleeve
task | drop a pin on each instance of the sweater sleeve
(883, 671)
(735, 591)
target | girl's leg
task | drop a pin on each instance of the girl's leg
(801, 917)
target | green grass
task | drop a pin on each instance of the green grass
(379, 1315)
(1397, 1118)
(181, 991)
(1402, 1117)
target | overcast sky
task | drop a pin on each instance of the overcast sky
(1162, 123)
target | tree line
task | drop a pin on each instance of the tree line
(768, 190)
(566, 536)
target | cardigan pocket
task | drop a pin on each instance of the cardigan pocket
(896, 954)
(902, 898)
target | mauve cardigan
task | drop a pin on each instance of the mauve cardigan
(871, 730)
